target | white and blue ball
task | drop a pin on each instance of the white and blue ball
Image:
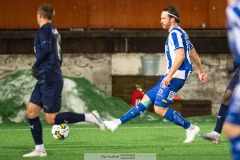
(60, 132)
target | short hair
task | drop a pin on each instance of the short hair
(172, 10)
(47, 11)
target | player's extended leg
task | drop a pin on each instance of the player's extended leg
(134, 112)
(131, 114)
(223, 111)
(33, 111)
(214, 136)
(176, 118)
(164, 96)
(51, 99)
(164, 99)
(71, 117)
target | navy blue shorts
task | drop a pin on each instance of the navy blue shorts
(48, 96)
(234, 109)
(162, 96)
(234, 80)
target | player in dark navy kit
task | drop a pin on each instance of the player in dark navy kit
(232, 123)
(47, 92)
(214, 136)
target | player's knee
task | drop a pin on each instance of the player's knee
(50, 121)
(31, 114)
(32, 111)
(50, 118)
(160, 111)
(227, 97)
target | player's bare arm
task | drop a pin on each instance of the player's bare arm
(177, 63)
(194, 55)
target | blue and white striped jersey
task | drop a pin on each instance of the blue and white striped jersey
(233, 19)
(178, 38)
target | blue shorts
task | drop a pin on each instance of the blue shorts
(162, 96)
(48, 96)
(233, 115)
(234, 80)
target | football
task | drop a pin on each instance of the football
(60, 132)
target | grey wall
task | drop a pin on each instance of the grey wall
(98, 68)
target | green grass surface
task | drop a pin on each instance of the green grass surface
(164, 139)
(144, 134)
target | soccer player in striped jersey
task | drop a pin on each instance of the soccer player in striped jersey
(46, 95)
(232, 122)
(178, 50)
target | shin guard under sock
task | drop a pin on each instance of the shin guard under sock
(36, 130)
(221, 118)
(133, 112)
(176, 118)
(69, 117)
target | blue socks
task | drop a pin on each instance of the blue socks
(133, 112)
(235, 150)
(176, 118)
(36, 130)
(170, 115)
(221, 118)
(69, 117)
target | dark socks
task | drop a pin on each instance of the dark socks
(69, 117)
(221, 118)
(36, 130)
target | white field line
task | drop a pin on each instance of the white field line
(85, 128)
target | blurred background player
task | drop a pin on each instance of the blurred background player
(214, 136)
(47, 91)
(232, 123)
(178, 50)
(137, 95)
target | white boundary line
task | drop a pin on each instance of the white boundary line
(86, 128)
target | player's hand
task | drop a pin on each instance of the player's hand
(203, 77)
(36, 73)
(166, 80)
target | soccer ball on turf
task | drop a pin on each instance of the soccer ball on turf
(60, 131)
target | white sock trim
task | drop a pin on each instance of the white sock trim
(40, 147)
(191, 127)
(88, 117)
(118, 121)
(216, 134)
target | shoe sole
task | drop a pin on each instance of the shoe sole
(39, 155)
(215, 142)
(101, 125)
(35, 156)
(208, 139)
(96, 115)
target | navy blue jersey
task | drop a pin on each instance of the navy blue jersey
(47, 48)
